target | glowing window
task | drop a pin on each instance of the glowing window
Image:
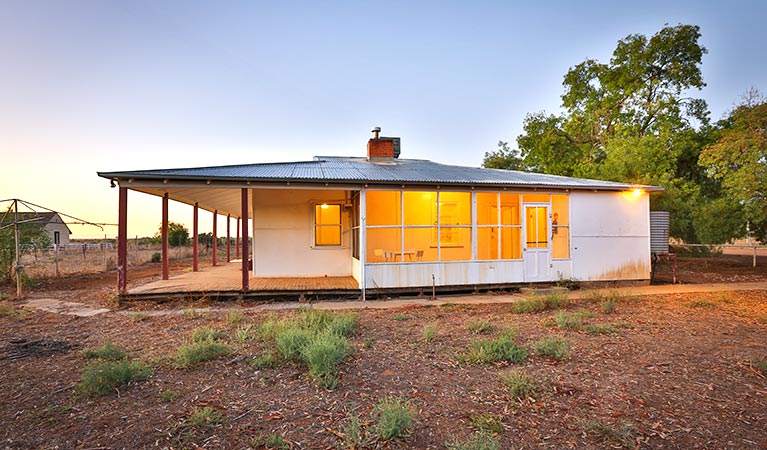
(327, 225)
(560, 226)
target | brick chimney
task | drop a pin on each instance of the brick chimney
(383, 147)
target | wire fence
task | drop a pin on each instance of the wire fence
(753, 250)
(83, 258)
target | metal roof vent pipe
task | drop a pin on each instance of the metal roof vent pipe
(381, 147)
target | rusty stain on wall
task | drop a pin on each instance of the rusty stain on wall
(634, 270)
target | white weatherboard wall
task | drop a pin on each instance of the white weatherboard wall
(283, 231)
(610, 236)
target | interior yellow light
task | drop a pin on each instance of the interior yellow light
(324, 206)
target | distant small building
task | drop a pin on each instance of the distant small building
(52, 223)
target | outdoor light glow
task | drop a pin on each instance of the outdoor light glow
(637, 192)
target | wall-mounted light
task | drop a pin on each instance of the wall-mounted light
(324, 206)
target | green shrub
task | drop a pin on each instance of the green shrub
(264, 361)
(272, 441)
(487, 422)
(520, 385)
(429, 331)
(488, 351)
(197, 352)
(759, 365)
(554, 347)
(138, 317)
(599, 328)
(108, 351)
(204, 334)
(353, 433)
(607, 306)
(168, 395)
(323, 353)
(156, 257)
(101, 377)
(394, 417)
(245, 333)
(291, 343)
(555, 300)
(319, 321)
(570, 320)
(623, 435)
(481, 440)
(234, 317)
(400, 317)
(479, 327)
(206, 417)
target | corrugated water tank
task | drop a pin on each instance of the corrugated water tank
(659, 226)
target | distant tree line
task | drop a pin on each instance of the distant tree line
(633, 119)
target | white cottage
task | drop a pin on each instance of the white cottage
(402, 224)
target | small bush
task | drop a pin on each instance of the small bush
(291, 342)
(570, 320)
(101, 377)
(272, 441)
(480, 327)
(554, 347)
(192, 313)
(481, 440)
(353, 433)
(204, 334)
(759, 365)
(701, 304)
(520, 385)
(323, 354)
(622, 435)
(555, 300)
(197, 352)
(138, 317)
(156, 257)
(108, 351)
(607, 306)
(368, 344)
(496, 350)
(599, 328)
(429, 331)
(400, 317)
(394, 417)
(264, 361)
(245, 333)
(206, 417)
(487, 422)
(168, 395)
(234, 317)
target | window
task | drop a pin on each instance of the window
(560, 226)
(327, 225)
(56, 237)
(499, 226)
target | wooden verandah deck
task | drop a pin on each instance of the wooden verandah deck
(225, 281)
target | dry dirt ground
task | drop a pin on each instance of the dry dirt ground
(676, 373)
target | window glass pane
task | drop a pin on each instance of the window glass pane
(455, 208)
(511, 243)
(382, 244)
(539, 198)
(510, 210)
(536, 227)
(327, 220)
(383, 208)
(418, 244)
(419, 207)
(560, 210)
(460, 251)
(487, 243)
(487, 208)
(560, 242)
(327, 235)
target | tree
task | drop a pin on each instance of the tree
(738, 158)
(178, 234)
(32, 236)
(630, 120)
(504, 158)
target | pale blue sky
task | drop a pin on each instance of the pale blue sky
(118, 85)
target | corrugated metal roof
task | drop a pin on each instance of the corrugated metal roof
(332, 169)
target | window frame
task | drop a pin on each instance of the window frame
(316, 226)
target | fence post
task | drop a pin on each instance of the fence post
(56, 258)
(755, 256)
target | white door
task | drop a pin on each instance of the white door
(536, 250)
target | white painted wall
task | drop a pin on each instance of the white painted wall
(446, 273)
(283, 229)
(610, 236)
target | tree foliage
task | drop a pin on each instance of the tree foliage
(738, 158)
(178, 234)
(632, 119)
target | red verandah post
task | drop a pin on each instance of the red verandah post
(164, 233)
(215, 235)
(195, 232)
(228, 239)
(237, 241)
(122, 241)
(245, 277)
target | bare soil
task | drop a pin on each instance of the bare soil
(677, 373)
